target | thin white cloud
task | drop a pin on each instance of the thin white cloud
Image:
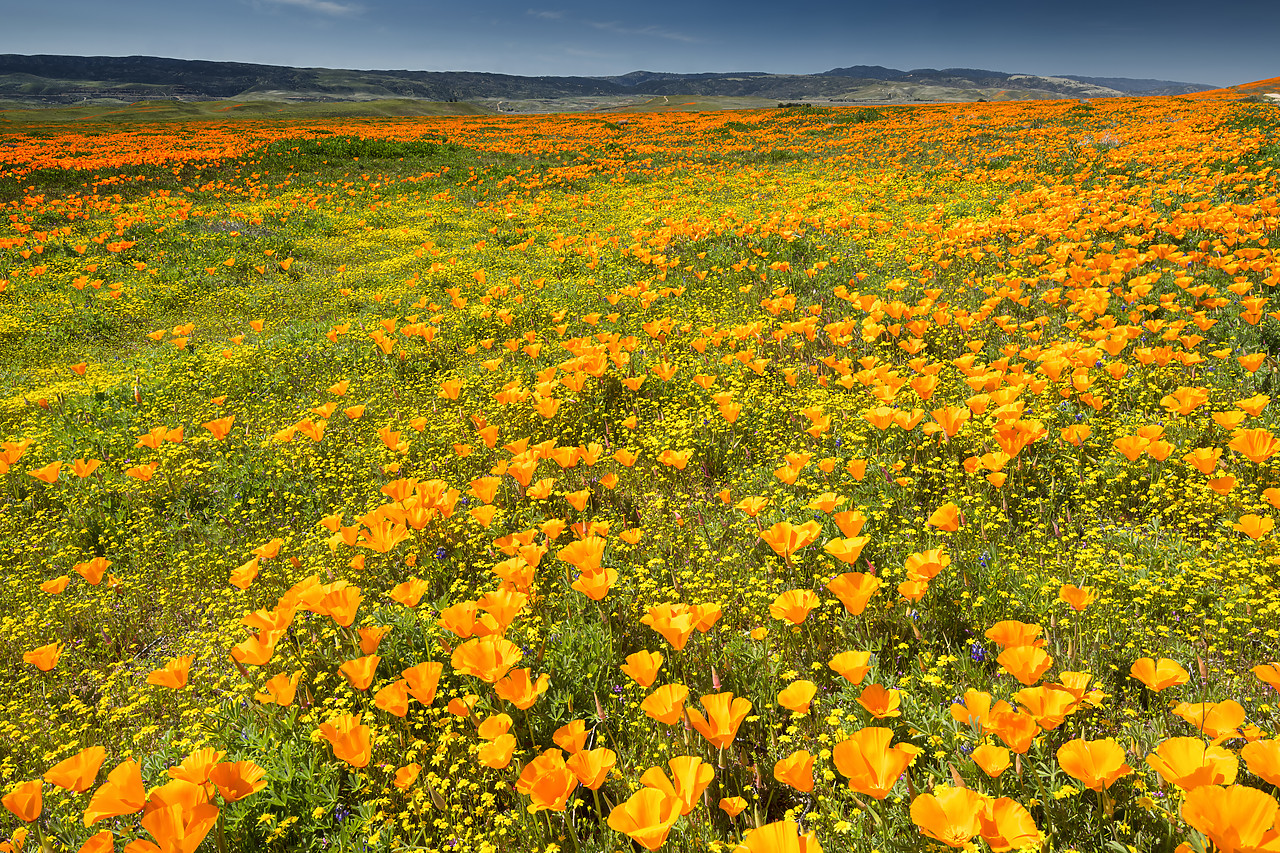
(322, 7)
(545, 14)
(650, 30)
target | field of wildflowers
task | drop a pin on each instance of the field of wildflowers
(850, 479)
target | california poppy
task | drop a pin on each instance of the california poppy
(870, 764)
(724, 715)
(237, 780)
(26, 801)
(77, 772)
(547, 781)
(646, 817)
(123, 793)
(174, 674)
(1096, 763)
(690, 776)
(666, 704)
(642, 667)
(950, 815)
(796, 770)
(45, 657)
(349, 738)
(1188, 763)
(592, 766)
(1158, 675)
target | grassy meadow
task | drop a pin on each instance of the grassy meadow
(886, 479)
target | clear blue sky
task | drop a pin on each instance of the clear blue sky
(1230, 41)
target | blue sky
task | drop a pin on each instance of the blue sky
(1230, 41)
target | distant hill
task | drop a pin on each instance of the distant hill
(46, 80)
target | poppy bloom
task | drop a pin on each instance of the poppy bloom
(646, 817)
(571, 737)
(666, 704)
(724, 715)
(517, 688)
(793, 606)
(487, 658)
(870, 764)
(642, 667)
(279, 689)
(796, 770)
(44, 658)
(360, 671)
(673, 621)
(406, 776)
(1188, 763)
(786, 538)
(993, 760)
(880, 702)
(732, 806)
(1007, 825)
(592, 766)
(797, 696)
(1025, 663)
(690, 776)
(349, 738)
(1234, 818)
(77, 772)
(123, 793)
(851, 665)
(1077, 598)
(1215, 719)
(950, 815)
(783, 835)
(237, 780)
(946, 518)
(1095, 763)
(1158, 675)
(422, 680)
(174, 674)
(547, 781)
(26, 801)
(854, 589)
(1262, 758)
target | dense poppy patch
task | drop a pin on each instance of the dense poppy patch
(779, 480)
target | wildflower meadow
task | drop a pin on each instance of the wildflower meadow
(870, 479)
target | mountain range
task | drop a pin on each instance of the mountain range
(48, 80)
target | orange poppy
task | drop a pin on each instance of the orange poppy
(517, 688)
(360, 671)
(26, 801)
(870, 764)
(77, 772)
(854, 589)
(122, 794)
(487, 658)
(1095, 763)
(797, 696)
(45, 657)
(642, 667)
(1025, 663)
(796, 770)
(793, 606)
(690, 776)
(950, 815)
(666, 704)
(646, 817)
(422, 680)
(1158, 675)
(547, 782)
(349, 738)
(174, 674)
(851, 665)
(724, 714)
(237, 780)
(782, 836)
(592, 766)
(1188, 763)
(1234, 818)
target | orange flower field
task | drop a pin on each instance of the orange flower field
(873, 479)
